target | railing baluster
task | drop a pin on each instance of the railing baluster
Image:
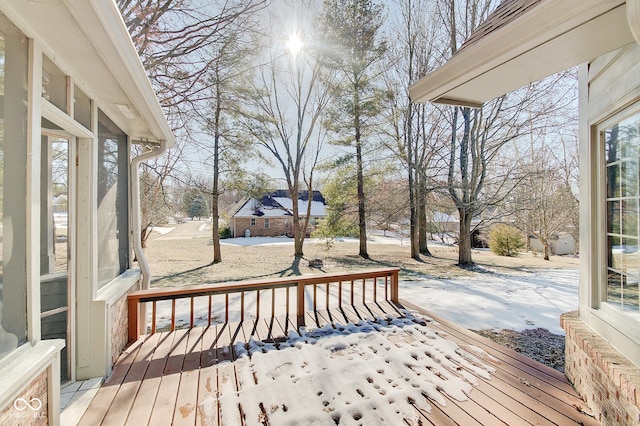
(364, 290)
(287, 308)
(300, 304)
(257, 304)
(153, 317)
(327, 298)
(340, 294)
(191, 315)
(386, 288)
(273, 302)
(226, 308)
(375, 289)
(315, 297)
(242, 306)
(351, 292)
(210, 310)
(173, 314)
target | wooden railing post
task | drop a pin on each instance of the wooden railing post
(134, 319)
(300, 305)
(394, 286)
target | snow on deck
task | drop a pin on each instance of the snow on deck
(365, 373)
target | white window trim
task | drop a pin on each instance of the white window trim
(601, 283)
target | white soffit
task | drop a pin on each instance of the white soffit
(88, 40)
(553, 36)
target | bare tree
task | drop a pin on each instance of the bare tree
(474, 179)
(287, 104)
(175, 40)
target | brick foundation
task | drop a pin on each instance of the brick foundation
(21, 414)
(119, 322)
(606, 380)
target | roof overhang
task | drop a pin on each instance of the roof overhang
(89, 41)
(549, 38)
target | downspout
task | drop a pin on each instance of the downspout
(135, 200)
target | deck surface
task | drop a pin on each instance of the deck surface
(165, 378)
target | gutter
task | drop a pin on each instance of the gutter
(135, 199)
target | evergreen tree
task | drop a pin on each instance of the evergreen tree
(352, 30)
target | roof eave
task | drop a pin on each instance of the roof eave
(549, 38)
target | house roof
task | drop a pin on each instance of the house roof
(523, 41)
(279, 204)
(89, 41)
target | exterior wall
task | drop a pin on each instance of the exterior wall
(12, 415)
(119, 322)
(603, 344)
(608, 381)
(563, 245)
(276, 228)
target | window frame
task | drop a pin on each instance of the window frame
(266, 223)
(614, 313)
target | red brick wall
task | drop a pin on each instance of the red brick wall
(606, 380)
(36, 413)
(276, 228)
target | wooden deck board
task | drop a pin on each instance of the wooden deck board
(165, 403)
(108, 391)
(206, 410)
(186, 403)
(142, 406)
(177, 378)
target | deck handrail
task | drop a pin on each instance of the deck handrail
(154, 295)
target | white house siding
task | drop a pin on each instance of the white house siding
(611, 86)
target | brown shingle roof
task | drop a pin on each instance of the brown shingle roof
(507, 12)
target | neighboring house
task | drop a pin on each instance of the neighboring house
(272, 215)
(560, 244)
(71, 81)
(527, 40)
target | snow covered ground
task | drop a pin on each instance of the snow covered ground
(493, 300)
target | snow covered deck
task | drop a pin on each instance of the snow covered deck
(373, 363)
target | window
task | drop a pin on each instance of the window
(13, 196)
(266, 223)
(54, 84)
(622, 160)
(113, 222)
(253, 221)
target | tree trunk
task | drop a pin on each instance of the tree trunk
(362, 225)
(298, 232)
(215, 209)
(422, 218)
(464, 238)
(547, 251)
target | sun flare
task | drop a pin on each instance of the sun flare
(294, 44)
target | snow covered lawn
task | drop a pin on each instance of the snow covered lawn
(490, 300)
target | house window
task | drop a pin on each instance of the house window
(54, 84)
(266, 223)
(253, 221)
(113, 200)
(13, 196)
(622, 160)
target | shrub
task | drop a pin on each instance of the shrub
(505, 240)
(224, 232)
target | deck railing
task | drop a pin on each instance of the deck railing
(338, 288)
